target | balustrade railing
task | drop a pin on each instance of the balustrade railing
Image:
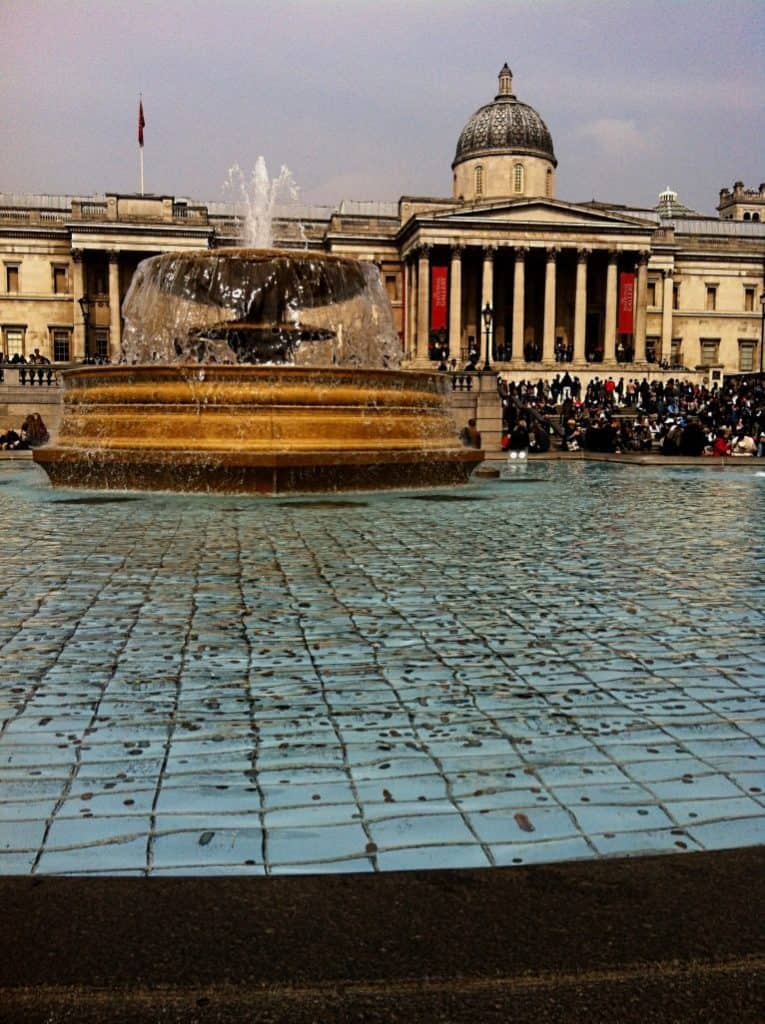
(28, 376)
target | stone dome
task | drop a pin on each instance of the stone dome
(505, 126)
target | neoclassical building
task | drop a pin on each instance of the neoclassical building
(502, 270)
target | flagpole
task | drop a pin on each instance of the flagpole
(141, 125)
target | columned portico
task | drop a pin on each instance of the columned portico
(487, 278)
(423, 303)
(115, 319)
(78, 291)
(455, 303)
(580, 304)
(609, 331)
(519, 303)
(548, 330)
(666, 317)
(640, 311)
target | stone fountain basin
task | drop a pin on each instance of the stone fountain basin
(261, 429)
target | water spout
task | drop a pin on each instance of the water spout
(254, 200)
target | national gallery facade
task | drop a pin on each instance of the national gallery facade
(502, 270)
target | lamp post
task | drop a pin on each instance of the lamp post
(85, 307)
(488, 316)
(442, 350)
(762, 330)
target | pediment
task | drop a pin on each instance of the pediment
(540, 211)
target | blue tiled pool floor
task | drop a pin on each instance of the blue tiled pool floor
(563, 663)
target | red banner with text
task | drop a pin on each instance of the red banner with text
(626, 303)
(438, 298)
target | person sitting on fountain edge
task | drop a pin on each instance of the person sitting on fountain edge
(471, 435)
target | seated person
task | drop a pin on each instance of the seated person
(539, 439)
(519, 438)
(471, 435)
(572, 436)
(720, 445)
(743, 444)
(694, 439)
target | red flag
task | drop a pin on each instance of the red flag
(141, 123)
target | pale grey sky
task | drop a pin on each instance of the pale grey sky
(366, 100)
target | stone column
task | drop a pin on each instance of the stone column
(78, 292)
(548, 330)
(640, 306)
(423, 304)
(666, 316)
(455, 304)
(609, 330)
(519, 303)
(580, 307)
(115, 318)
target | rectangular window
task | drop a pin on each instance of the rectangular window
(711, 297)
(102, 344)
(746, 356)
(391, 286)
(14, 341)
(676, 296)
(651, 293)
(748, 300)
(60, 280)
(652, 350)
(11, 278)
(61, 344)
(709, 350)
(676, 352)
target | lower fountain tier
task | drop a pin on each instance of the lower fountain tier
(255, 429)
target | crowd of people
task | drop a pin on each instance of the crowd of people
(32, 433)
(670, 416)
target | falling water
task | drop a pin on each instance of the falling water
(254, 200)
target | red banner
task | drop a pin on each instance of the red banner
(626, 303)
(438, 297)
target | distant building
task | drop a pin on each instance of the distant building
(585, 286)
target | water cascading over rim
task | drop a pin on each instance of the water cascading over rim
(257, 371)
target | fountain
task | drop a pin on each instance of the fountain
(259, 370)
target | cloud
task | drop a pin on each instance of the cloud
(611, 134)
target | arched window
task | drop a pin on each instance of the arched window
(479, 180)
(548, 184)
(746, 216)
(755, 216)
(518, 179)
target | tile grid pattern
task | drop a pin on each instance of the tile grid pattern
(548, 667)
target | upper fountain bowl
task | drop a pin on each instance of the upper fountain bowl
(269, 306)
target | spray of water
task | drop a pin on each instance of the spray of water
(254, 200)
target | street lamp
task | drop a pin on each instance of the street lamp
(762, 330)
(442, 350)
(488, 316)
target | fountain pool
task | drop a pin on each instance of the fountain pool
(548, 666)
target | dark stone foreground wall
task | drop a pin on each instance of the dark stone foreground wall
(664, 939)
